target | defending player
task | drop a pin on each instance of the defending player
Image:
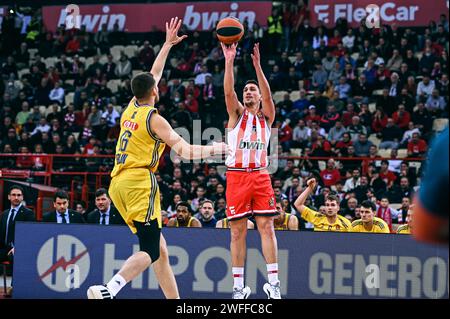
(134, 189)
(249, 190)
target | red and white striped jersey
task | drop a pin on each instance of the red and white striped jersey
(248, 141)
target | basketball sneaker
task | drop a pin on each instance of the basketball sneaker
(272, 291)
(99, 292)
(242, 293)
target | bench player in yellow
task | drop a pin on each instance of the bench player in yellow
(134, 188)
(331, 220)
(368, 222)
(284, 221)
(405, 229)
(184, 217)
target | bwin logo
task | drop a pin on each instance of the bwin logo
(63, 263)
(252, 145)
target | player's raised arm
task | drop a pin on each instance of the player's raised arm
(164, 131)
(172, 39)
(268, 107)
(234, 107)
(300, 201)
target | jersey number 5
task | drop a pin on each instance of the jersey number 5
(124, 140)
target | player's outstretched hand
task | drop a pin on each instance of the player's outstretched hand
(256, 57)
(172, 31)
(311, 183)
(229, 51)
(221, 148)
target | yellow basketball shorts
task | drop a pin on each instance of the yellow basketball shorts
(135, 194)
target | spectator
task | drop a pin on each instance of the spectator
(436, 104)
(200, 79)
(109, 68)
(427, 61)
(329, 119)
(206, 214)
(386, 102)
(343, 88)
(73, 46)
(330, 175)
(385, 212)
(123, 68)
(425, 88)
(62, 215)
(349, 40)
(23, 115)
(349, 211)
(352, 182)
(343, 143)
(276, 79)
(387, 175)
(401, 118)
(395, 62)
(329, 62)
(407, 100)
(183, 217)
(390, 135)
(380, 120)
(356, 128)
(362, 90)
(362, 145)
(417, 147)
(320, 104)
(319, 78)
(422, 118)
(105, 213)
(300, 135)
(408, 134)
(111, 115)
(336, 132)
(57, 94)
(335, 74)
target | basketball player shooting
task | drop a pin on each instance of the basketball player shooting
(134, 188)
(249, 189)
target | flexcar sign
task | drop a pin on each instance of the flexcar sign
(199, 16)
(400, 12)
(62, 261)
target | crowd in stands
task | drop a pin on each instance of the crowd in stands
(340, 92)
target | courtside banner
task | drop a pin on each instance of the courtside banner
(199, 16)
(62, 261)
(400, 12)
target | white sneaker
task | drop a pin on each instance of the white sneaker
(272, 291)
(99, 292)
(242, 293)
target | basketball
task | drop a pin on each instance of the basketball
(229, 30)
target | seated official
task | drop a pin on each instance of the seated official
(105, 213)
(61, 214)
(8, 219)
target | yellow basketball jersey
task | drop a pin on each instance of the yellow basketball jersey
(404, 229)
(378, 226)
(285, 224)
(189, 222)
(137, 146)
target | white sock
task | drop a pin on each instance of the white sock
(272, 271)
(238, 277)
(115, 284)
